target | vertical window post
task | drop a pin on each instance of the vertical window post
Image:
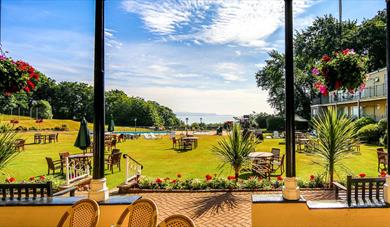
(99, 190)
(386, 187)
(290, 190)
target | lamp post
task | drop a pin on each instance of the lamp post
(98, 188)
(291, 189)
(135, 124)
(200, 125)
(186, 126)
(386, 188)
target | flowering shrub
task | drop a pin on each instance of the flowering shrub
(346, 71)
(17, 76)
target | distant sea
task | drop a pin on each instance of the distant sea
(206, 117)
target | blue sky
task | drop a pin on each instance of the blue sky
(192, 56)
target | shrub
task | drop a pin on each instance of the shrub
(20, 128)
(383, 140)
(275, 124)
(32, 128)
(361, 122)
(369, 133)
(382, 124)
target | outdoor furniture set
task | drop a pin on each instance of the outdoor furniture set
(185, 143)
(267, 164)
(44, 138)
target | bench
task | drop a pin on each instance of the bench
(361, 192)
(32, 191)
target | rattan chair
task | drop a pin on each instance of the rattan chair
(142, 213)
(177, 220)
(84, 213)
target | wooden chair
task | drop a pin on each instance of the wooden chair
(262, 167)
(54, 165)
(142, 213)
(114, 159)
(276, 153)
(279, 166)
(174, 141)
(19, 144)
(84, 213)
(57, 135)
(52, 138)
(177, 220)
(382, 160)
(37, 138)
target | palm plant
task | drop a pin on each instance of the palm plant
(336, 138)
(234, 149)
(7, 145)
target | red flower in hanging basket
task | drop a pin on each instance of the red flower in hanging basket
(279, 178)
(17, 76)
(362, 175)
(325, 58)
(209, 177)
(345, 71)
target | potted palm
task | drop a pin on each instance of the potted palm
(336, 136)
(234, 149)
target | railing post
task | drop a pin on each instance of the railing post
(127, 168)
(290, 188)
(67, 170)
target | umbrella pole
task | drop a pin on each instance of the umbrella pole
(98, 187)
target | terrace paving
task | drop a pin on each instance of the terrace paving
(215, 208)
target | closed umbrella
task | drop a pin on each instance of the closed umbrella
(83, 140)
(111, 125)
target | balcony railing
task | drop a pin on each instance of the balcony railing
(133, 169)
(376, 91)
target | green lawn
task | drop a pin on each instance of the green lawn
(160, 160)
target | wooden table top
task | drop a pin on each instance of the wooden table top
(255, 155)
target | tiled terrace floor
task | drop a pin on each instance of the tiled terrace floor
(215, 209)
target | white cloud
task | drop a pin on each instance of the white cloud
(245, 23)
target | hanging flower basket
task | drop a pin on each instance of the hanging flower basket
(345, 71)
(17, 76)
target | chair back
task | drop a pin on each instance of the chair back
(84, 213)
(282, 160)
(115, 151)
(50, 162)
(177, 220)
(63, 156)
(382, 157)
(116, 157)
(380, 149)
(174, 140)
(142, 213)
(276, 153)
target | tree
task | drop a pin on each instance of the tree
(234, 149)
(44, 109)
(271, 78)
(372, 39)
(336, 136)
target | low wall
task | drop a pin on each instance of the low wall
(41, 215)
(282, 213)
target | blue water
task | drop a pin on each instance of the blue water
(206, 118)
(141, 133)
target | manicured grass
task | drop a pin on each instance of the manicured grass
(160, 160)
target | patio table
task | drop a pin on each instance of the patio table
(192, 139)
(260, 155)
